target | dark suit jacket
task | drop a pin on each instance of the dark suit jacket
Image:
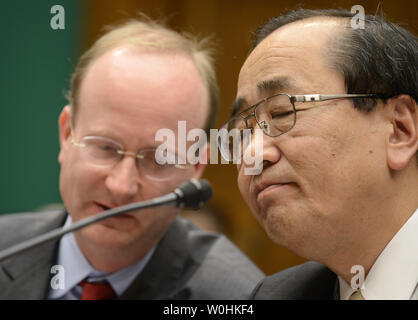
(309, 281)
(188, 263)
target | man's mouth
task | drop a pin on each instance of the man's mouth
(268, 188)
(102, 206)
(120, 218)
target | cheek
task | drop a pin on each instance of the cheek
(332, 169)
(149, 189)
(79, 180)
(244, 186)
(310, 159)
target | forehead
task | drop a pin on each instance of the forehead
(137, 92)
(293, 59)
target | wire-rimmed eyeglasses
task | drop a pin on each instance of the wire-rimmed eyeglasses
(105, 152)
(275, 115)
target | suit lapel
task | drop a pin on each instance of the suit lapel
(308, 281)
(27, 275)
(162, 276)
(337, 290)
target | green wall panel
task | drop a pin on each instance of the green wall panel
(35, 65)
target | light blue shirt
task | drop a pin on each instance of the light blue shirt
(76, 268)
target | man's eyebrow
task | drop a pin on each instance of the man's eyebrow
(276, 85)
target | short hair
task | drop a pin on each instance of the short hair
(147, 33)
(381, 58)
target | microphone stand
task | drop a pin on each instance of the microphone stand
(171, 198)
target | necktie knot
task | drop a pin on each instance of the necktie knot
(356, 296)
(96, 291)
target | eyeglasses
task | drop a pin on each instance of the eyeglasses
(275, 115)
(105, 152)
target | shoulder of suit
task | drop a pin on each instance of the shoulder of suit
(224, 270)
(310, 280)
(18, 227)
(204, 245)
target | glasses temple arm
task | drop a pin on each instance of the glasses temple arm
(324, 97)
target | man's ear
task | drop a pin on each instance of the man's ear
(402, 144)
(64, 127)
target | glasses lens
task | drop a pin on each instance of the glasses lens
(160, 165)
(154, 163)
(100, 151)
(233, 137)
(276, 115)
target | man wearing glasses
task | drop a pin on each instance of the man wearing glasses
(339, 183)
(136, 79)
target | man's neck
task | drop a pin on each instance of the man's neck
(112, 260)
(365, 249)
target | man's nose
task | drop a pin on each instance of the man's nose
(262, 147)
(123, 180)
(271, 151)
(267, 146)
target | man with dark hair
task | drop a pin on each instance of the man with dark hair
(339, 186)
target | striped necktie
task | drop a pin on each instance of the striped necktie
(356, 296)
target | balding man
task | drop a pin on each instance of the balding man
(339, 185)
(136, 79)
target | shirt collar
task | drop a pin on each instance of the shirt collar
(394, 275)
(76, 268)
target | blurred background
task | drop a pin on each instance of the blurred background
(36, 63)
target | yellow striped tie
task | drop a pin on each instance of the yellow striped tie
(356, 296)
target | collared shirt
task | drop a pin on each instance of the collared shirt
(394, 275)
(76, 268)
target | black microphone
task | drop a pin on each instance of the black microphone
(191, 194)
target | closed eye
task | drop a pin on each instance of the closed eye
(108, 148)
(281, 114)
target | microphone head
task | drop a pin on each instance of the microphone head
(193, 193)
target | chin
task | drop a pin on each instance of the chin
(105, 237)
(279, 226)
